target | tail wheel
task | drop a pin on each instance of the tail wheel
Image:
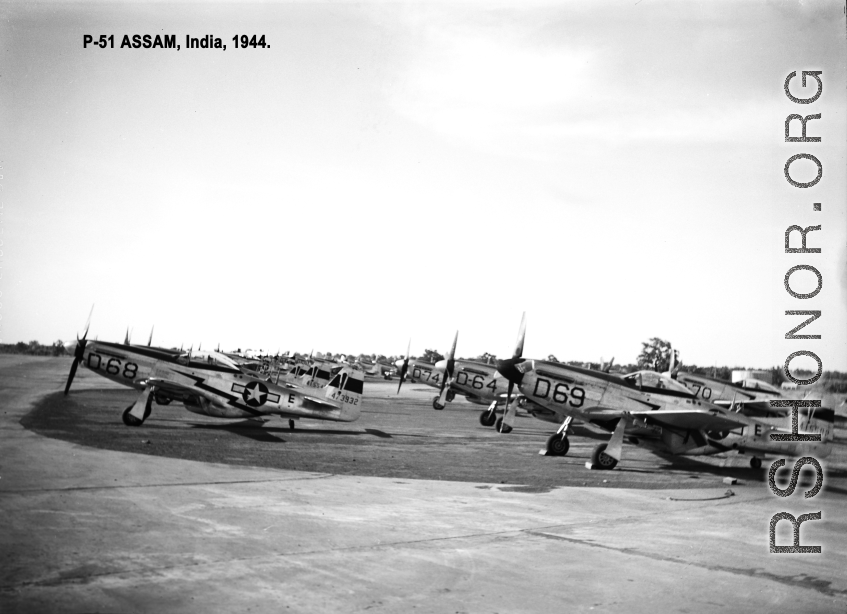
(503, 428)
(487, 418)
(436, 404)
(756, 462)
(450, 396)
(601, 460)
(558, 445)
(129, 419)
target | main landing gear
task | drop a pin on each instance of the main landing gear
(436, 400)
(756, 462)
(558, 444)
(489, 416)
(502, 428)
(601, 460)
(291, 424)
(606, 455)
(143, 406)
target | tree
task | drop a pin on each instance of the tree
(655, 355)
(486, 358)
(432, 356)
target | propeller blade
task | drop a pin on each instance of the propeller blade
(88, 323)
(71, 375)
(518, 353)
(451, 363)
(150, 338)
(405, 367)
(79, 352)
(509, 412)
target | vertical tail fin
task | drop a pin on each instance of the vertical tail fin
(346, 388)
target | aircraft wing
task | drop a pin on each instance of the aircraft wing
(753, 408)
(178, 390)
(693, 419)
(319, 403)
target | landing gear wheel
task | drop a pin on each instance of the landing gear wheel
(756, 462)
(291, 424)
(450, 396)
(558, 445)
(503, 428)
(436, 404)
(129, 419)
(162, 399)
(601, 460)
(487, 418)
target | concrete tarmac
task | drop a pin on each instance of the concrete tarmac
(89, 530)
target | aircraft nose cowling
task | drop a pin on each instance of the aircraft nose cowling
(440, 366)
(508, 369)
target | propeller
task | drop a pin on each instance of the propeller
(404, 368)
(150, 338)
(508, 369)
(449, 365)
(79, 352)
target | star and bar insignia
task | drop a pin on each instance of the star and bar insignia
(255, 394)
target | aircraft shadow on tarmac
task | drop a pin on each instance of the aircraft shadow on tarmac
(260, 432)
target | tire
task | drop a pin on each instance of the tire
(487, 418)
(131, 420)
(291, 424)
(558, 445)
(450, 396)
(503, 428)
(601, 460)
(436, 404)
(162, 399)
(756, 462)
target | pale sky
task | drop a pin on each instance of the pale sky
(394, 170)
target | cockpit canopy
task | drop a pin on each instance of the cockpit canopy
(757, 384)
(207, 358)
(651, 379)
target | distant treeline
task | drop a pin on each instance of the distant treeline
(33, 348)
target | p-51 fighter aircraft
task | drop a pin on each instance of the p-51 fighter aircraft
(478, 382)
(648, 408)
(719, 391)
(210, 383)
